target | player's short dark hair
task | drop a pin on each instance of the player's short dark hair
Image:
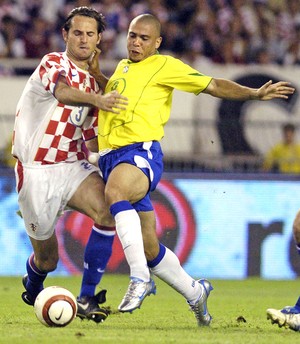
(86, 12)
(288, 127)
(7, 19)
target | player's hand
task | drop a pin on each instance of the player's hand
(112, 102)
(93, 62)
(281, 89)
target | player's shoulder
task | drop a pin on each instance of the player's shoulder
(172, 63)
(123, 62)
(170, 60)
(167, 57)
(161, 58)
(53, 58)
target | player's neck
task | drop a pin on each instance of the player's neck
(82, 64)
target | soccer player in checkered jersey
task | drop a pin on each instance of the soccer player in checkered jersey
(132, 160)
(56, 113)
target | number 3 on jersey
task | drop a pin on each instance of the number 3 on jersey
(78, 115)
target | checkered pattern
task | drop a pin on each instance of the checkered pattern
(44, 131)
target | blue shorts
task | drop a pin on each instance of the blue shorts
(147, 156)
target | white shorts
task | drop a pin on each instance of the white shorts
(44, 191)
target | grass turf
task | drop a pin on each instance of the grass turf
(238, 309)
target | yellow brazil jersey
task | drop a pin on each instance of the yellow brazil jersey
(284, 158)
(149, 86)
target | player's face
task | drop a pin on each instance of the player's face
(142, 40)
(82, 39)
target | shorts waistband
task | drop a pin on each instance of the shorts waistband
(125, 148)
(47, 166)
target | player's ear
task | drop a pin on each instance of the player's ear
(65, 35)
(99, 39)
(158, 42)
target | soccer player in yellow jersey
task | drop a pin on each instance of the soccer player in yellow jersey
(284, 157)
(149, 85)
(131, 157)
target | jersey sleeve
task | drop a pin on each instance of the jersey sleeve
(179, 75)
(50, 69)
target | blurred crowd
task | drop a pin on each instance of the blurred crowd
(220, 31)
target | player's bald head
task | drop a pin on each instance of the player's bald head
(148, 19)
(143, 38)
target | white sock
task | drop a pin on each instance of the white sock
(128, 227)
(170, 271)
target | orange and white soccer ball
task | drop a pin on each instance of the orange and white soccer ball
(55, 306)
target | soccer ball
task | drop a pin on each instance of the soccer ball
(55, 306)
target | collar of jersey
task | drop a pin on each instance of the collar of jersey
(129, 61)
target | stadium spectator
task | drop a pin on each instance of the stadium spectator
(284, 157)
(37, 38)
(12, 9)
(174, 39)
(261, 56)
(131, 157)
(11, 45)
(213, 21)
(227, 54)
(292, 55)
(57, 111)
(266, 39)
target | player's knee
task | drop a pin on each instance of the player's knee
(99, 213)
(104, 217)
(113, 195)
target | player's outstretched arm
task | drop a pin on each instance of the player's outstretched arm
(227, 89)
(112, 101)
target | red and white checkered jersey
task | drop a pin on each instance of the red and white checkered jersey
(47, 131)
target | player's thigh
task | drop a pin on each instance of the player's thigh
(151, 243)
(89, 199)
(41, 199)
(126, 182)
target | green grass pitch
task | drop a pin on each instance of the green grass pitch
(238, 309)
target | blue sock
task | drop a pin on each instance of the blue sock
(36, 278)
(96, 256)
(156, 261)
(120, 206)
